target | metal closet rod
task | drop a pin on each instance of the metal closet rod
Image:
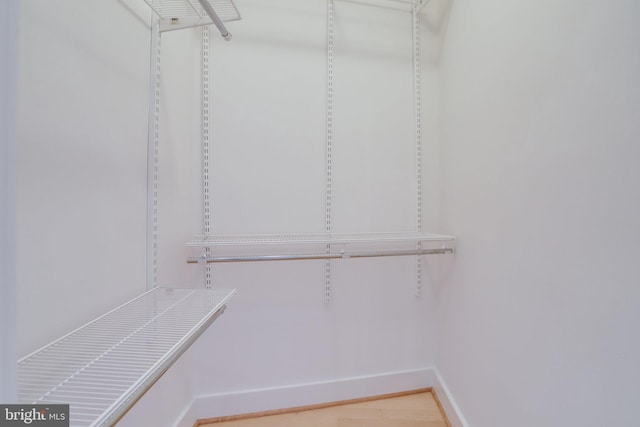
(345, 255)
(216, 20)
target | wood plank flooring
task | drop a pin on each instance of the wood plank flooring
(413, 410)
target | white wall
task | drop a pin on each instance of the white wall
(539, 107)
(82, 133)
(538, 320)
(8, 76)
(179, 157)
(268, 172)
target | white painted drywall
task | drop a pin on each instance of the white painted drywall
(539, 129)
(179, 158)
(82, 173)
(82, 132)
(9, 14)
(540, 123)
(268, 153)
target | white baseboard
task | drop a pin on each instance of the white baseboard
(447, 402)
(272, 398)
(187, 418)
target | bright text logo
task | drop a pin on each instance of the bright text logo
(34, 415)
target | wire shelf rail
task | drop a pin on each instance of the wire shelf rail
(102, 368)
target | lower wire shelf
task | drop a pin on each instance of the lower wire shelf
(102, 368)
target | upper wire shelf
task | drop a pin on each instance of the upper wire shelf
(177, 14)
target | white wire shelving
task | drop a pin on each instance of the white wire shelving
(177, 14)
(260, 247)
(102, 368)
(393, 4)
(312, 238)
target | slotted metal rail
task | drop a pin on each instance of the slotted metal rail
(104, 367)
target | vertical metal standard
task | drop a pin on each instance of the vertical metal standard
(206, 196)
(418, 138)
(329, 142)
(152, 157)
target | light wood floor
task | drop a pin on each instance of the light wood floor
(414, 410)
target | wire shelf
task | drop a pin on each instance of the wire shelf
(102, 368)
(319, 238)
(176, 14)
(268, 247)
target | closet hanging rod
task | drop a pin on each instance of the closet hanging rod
(215, 19)
(344, 255)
